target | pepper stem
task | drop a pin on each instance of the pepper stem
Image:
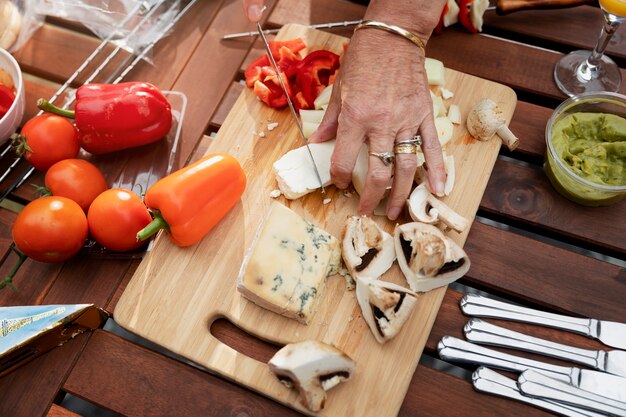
(153, 227)
(48, 107)
(8, 281)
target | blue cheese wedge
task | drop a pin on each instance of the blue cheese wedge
(285, 270)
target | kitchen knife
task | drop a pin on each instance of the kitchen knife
(290, 103)
(457, 350)
(486, 380)
(535, 384)
(610, 333)
(479, 331)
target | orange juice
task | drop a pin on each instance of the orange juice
(616, 7)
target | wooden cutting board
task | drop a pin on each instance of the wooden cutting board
(176, 293)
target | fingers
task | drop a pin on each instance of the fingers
(253, 9)
(434, 156)
(403, 178)
(350, 137)
(378, 175)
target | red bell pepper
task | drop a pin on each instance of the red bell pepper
(6, 99)
(112, 117)
(190, 201)
(313, 74)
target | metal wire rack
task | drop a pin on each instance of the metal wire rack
(144, 12)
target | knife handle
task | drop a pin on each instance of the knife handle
(509, 6)
(537, 385)
(479, 331)
(486, 380)
(479, 306)
(457, 350)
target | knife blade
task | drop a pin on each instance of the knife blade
(486, 380)
(479, 331)
(290, 103)
(536, 385)
(610, 333)
(457, 350)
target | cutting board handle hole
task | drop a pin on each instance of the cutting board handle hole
(229, 334)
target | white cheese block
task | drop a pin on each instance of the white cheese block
(285, 269)
(434, 71)
(295, 173)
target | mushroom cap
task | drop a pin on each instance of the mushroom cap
(367, 250)
(426, 208)
(484, 120)
(385, 306)
(313, 367)
(428, 258)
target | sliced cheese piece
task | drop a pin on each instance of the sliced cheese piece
(324, 97)
(359, 172)
(454, 114)
(434, 71)
(452, 16)
(439, 108)
(385, 306)
(445, 128)
(285, 269)
(295, 172)
(312, 116)
(308, 128)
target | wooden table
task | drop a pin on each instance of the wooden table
(528, 244)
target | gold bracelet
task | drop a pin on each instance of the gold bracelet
(393, 29)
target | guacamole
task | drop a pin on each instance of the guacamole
(592, 145)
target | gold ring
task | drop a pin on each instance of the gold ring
(415, 140)
(386, 157)
(402, 148)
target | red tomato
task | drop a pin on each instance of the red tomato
(50, 229)
(77, 180)
(47, 139)
(115, 217)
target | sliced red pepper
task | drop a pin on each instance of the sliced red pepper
(270, 94)
(295, 45)
(313, 74)
(253, 72)
(464, 15)
(6, 99)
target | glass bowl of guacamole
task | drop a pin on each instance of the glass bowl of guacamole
(586, 148)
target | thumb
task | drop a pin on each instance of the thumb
(254, 9)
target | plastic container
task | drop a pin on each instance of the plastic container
(562, 177)
(10, 122)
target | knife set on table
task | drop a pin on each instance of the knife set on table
(568, 391)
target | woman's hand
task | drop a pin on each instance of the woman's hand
(381, 98)
(253, 9)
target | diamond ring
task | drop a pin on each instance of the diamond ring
(386, 157)
(415, 141)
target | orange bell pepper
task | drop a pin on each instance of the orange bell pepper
(190, 201)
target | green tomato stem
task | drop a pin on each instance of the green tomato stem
(8, 281)
(153, 227)
(46, 106)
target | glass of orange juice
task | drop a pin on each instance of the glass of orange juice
(588, 71)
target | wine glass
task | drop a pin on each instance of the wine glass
(586, 71)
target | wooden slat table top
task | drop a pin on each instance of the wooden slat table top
(528, 244)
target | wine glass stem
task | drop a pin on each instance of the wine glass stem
(606, 34)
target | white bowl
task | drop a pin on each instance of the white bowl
(13, 118)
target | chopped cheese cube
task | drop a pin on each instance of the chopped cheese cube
(285, 269)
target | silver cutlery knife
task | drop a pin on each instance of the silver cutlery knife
(290, 103)
(610, 333)
(486, 380)
(479, 331)
(457, 350)
(535, 384)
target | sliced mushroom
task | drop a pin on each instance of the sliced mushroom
(427, 257)
(367, 250)
(313, 368)
(385, 306)
(426, 208)
(486, 120)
